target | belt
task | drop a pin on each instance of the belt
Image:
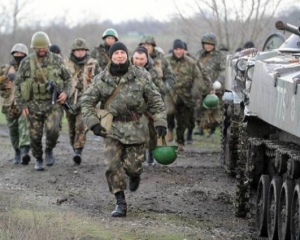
(131, 118)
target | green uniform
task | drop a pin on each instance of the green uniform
(101, 55)
(125, 144)
(31, 92)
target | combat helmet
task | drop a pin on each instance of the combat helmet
(110, 32)
(79, 43)
(40, 40)
(19, 47)
(211, 101)
(209, 38)
(148, 39)
(165, 155)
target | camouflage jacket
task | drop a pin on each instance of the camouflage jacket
(137, 95)
(101, 55)
(214, 63)
(7, 90)
(163, 69)
(31, 88)
(82, 74)
(187, 74)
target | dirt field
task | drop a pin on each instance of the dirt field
(190, 199)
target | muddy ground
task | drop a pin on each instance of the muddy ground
(190, 199)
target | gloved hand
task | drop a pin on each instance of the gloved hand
(98, 130)
(11, 76)
(161, 131)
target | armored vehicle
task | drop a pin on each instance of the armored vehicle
(261, 134)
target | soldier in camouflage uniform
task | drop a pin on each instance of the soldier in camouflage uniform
(187, 75)
(110, 36)
(83, 68)
(164, 72)
(16, 122)
(33, 96)
(214, 62)
(141, 58)
(124, 146)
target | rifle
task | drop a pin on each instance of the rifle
(51, 85)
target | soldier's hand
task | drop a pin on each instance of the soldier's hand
(98, 130)
(161, 131)
(62, 98)
(25, 111)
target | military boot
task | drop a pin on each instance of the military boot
(17, 158)
(134, 183)
(24, 154)
(189, 138)
(50, 159)
(39, 165)
(170, 137)
(77, 156)
(150, 160)
(121, 208)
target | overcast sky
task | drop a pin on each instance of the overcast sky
(115, 10)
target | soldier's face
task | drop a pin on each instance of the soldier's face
(110, 40)
(179, 52)
(19, 54)
(208, 47)
(80, 53)
(119, 57)
(149, 47)
(139, 59)
(41, 52)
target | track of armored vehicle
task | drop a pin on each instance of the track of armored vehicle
(261, 136)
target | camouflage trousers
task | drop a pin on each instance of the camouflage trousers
(184, 116)
(76, 130)
(49, 122)
(18, 131)
(121, 159)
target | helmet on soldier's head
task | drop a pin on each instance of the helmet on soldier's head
(19, 47)
(148, 39)
(79, 43)
(110, 32)
(211, 101)
(210, 38)
(40, 40)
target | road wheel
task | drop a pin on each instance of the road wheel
(295, 213)
(284, 209)
(272, 213)
(261, 205)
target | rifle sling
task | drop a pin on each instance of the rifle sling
(112, 96)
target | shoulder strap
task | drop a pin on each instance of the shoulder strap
(112, 96)
(38, 64)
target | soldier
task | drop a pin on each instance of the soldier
(17, 125)
(133, 94)
(83, 68)
(142, 59)
(187, 74)
(214, 62)
(101, 53)
(55, 49)
(164, 71)
(36, 78)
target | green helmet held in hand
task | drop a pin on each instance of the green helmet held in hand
(148, 39)
(40, 40)
(110, 32)
(79, 43)
(210, 38)
(165, 155)
(211, 101)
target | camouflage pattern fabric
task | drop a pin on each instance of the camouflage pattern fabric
(152, 143)
(137, 95)
(17, 124)
(82, 74)
(121, 159)
(48, 121)
(42, 114)
(18, 131)
(101, 55)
